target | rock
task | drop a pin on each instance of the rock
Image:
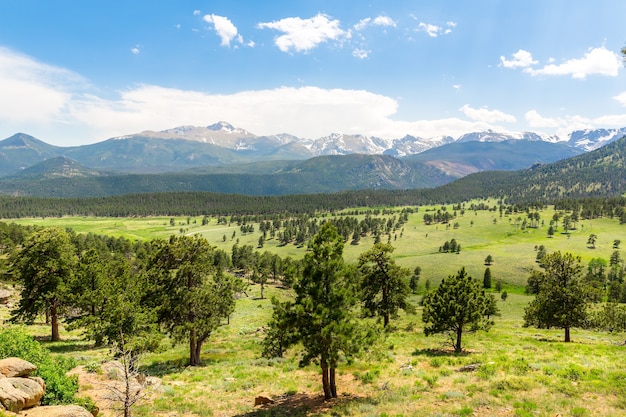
(260, 400)
(469, 368)
(13, 367)
(17, 394)
(57, 411)
(4, 296)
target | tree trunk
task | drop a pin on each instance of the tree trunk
(326, 379)
(567, 337)
(386, 304)
(194, 351)
(54, 320)
(333, 384)
(457, 347)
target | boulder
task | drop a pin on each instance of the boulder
(4, 296)
(17, 394)
(57, 411)
(13, 367)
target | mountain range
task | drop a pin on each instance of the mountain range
(222, 158)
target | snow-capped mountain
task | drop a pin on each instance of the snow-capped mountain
(593, 139)
(225, 135)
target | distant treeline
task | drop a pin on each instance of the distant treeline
(212, 204)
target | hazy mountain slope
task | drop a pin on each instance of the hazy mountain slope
(601, 172)
(142, 155)
(326, 174)
(21, 151)
(462, 158)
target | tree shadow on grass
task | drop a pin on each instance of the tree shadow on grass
(431, 353)
(168, 367)
(302, 405)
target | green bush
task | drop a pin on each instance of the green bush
(60, 389)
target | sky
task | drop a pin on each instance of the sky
(75, 72)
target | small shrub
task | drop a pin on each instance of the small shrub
(486, 371)
(60, 389)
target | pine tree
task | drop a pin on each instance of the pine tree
(322, 317)
(561, 299)
(459, 304)
(487, 279)
(45, 266)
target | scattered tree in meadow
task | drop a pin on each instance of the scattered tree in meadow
(415, 279)
(458, 305)
(561, 294)
(191, 296)
(322, 316)
(45, 266)
(488, 260)
(504, 295)
(616, 243)
(591, 241)
(383, 283)
(487, 278)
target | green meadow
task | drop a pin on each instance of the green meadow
(519, 371)
(480, 233)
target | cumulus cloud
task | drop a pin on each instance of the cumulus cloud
(302, 35)
(569, 123)
(135, 50)
(485, 115)
(535, 120)
(597, 61)
(377, 21)
(521, 59)
(434, 30)
(224, 28)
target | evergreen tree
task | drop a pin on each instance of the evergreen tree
(415, 278)
(45, 266)
(487, 279)
(561, 299)
(322, 316)
(191, 296)
(489, 261)
(383, 283)
(459, 304)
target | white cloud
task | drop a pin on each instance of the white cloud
(363, 23)
(621, 97)
(384, 21)
(521, 59)
(224, 28)
(361, 53)
(302, 35)
(377, 21)
(33, 91)
(135, 50)
(597, 61)
(535, 120)
(197, 12)
(567, 124)
(433, 30)
(485, 115)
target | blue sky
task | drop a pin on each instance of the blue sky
(75, 72)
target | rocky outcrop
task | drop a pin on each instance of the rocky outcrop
(18, 390)
(15, 367)
(57, 411)
(21, 393)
